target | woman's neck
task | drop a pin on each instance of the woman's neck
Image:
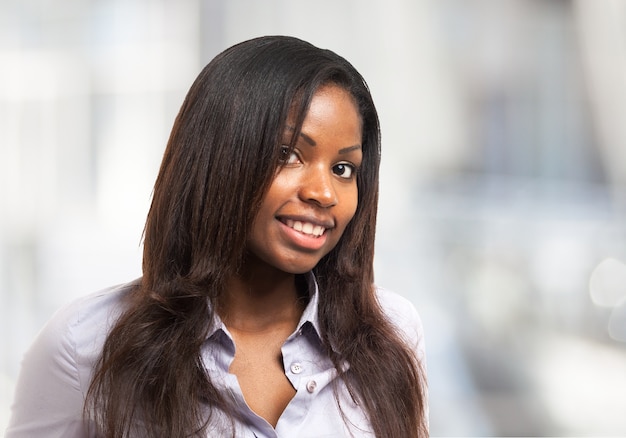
(256, 302)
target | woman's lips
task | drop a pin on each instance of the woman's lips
(304, 234)
(303, 227)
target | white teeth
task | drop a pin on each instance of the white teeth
(306, 227)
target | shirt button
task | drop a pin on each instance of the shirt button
(311, 385)
(296, 368)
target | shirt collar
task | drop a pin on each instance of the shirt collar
(311, 311)
(310, 316)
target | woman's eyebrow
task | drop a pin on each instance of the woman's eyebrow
(310, 141)
(306, 138)
(349, 148)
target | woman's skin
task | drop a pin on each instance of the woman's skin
(315, 188)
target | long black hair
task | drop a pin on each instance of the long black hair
(220, 159)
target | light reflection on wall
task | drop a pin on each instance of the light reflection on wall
(503, 193)
(607, 289)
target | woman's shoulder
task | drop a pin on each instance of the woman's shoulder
(88, 319)
(56, 370)
(403, 315)
(397, 307)
(103, 303)
(77, 330)
(90, 313)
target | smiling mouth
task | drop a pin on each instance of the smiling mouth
(306, 228)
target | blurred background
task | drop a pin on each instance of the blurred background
(503, 197)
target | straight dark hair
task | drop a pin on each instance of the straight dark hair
(221, 157)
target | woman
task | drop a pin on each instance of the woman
(256, 315)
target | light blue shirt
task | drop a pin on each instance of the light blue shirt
(57, 370)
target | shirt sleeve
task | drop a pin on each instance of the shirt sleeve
(49, 399)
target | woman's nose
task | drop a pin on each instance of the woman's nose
(317, 187)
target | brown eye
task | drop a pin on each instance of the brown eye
(288, 156)
(344, 170)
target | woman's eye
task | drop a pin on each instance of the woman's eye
(344, 170)
(288, 155)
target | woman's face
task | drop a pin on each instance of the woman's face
(314, 194)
